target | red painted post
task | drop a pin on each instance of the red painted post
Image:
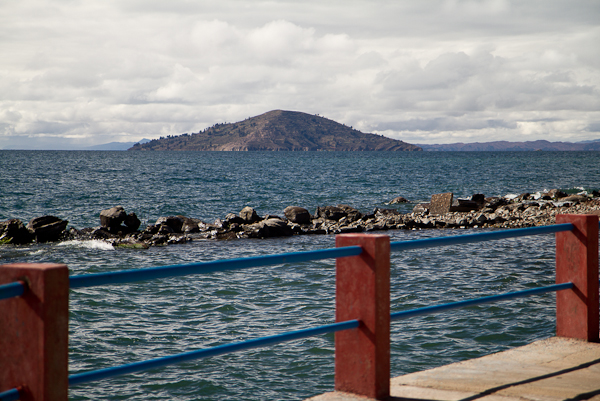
(34, 339)
(362, 356)
(577, 262)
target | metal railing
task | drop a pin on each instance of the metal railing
(20, 288)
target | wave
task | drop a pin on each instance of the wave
(88, 244)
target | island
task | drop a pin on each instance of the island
(278, 130)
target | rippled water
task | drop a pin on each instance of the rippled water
(112, 325)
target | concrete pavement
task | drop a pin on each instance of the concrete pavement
(546, 370)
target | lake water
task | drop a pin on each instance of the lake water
(113, 325)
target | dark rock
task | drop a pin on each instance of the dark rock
(132, 222)
(175, 223)
(249, 215)
(397, 200)
(190, 225)
(13, 231)
(465, 205)
(441, 203)
(112, 218)
(267, 228)
(330, 213)
(478, 198)
(297, 215)
(151, 229)
(276, 227)
(233, 219)
(164, 229)
(47, 228)
(495, 202)
(352, 214)
(102, 233)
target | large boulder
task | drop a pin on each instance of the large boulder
(111, 219)
(352, 214)
(268, 228)
(330, 213)
(13, 231)
(440, 203)
(132, 222)
(249, 215)
(397, 200)
(297, 215)
(170, 224)
(47, 228)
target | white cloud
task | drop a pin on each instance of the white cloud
(95, 72)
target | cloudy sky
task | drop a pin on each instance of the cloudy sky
(76, 73)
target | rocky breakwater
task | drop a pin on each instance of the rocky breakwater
(443, 211)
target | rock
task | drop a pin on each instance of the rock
(478, 198)
(421, 208)
(13, 231)
(276, 227)
(132, 222)
(102, 233)
(249, 215)
(441, 203)
(385, 212)
(465, 205)
(297, 215)
(330, 212)
(556, 194)
(174, 223)
(131, 243)
(47, 228)
(397, 200)
(190, 225)
(575, 198)
(231, 218)
(267, 228)
(112, 218)
(352, 214)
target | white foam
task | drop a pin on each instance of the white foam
(89, 244)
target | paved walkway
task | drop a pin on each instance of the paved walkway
(546, 370)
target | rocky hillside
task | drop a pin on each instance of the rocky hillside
(278, 130)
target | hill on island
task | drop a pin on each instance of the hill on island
(278, 130)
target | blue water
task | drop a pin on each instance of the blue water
(119, 324)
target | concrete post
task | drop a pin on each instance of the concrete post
(577, 261)
(362, 356)
(34, 332)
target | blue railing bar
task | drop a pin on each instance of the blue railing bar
(478, 301)
(80, 378)
(10, 395)
(128, 276)
(11, 290)
(488, 236)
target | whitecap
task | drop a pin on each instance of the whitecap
(89, 244)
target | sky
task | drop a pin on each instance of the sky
(80, 73)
